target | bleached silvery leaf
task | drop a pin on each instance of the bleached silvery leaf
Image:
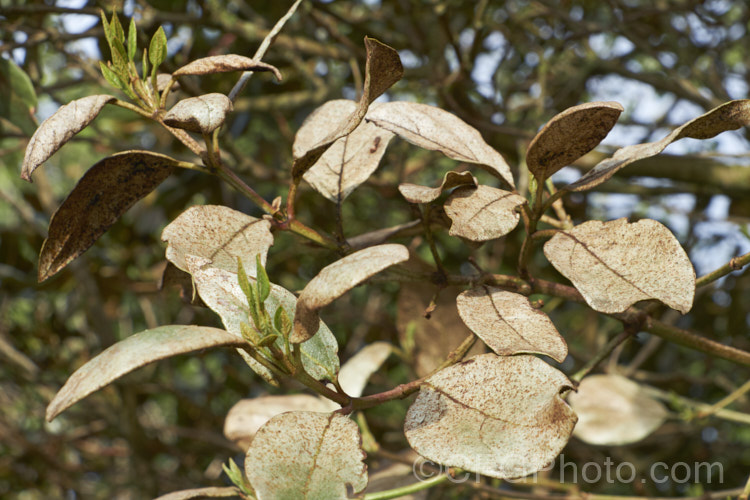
(59, 128)
(507, 323)
(219, 234)
(414, 193)
(438, 130)
(614, 410)
(570, 135)
(336, 279)
(615, 264)
(224, 64)
(356, 371)
(134, 352)
(202, 114)
(306, 455)
(501, 416)
(482, 214)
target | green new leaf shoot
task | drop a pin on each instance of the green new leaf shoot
(249, 334)
(132, 41)
(264, 285)
(157, 49)
(237, 477)
(282, 322)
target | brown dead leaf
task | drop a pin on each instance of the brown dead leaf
(729, 116)
(614, 410)
(432, 128)
(59, 128)
(482, 214)
(507, 323)
(382, 69)
(177, 278)
(134, 352)
(415, 193)
(615, 264)
(225, 64)
(501, 416)
(202, 114)
(570, 135)
(103, 194)
(306, 455)
(219, 234)
(336, 279)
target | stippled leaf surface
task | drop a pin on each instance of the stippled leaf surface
(482, 213)
(414, 193)
(59, 128)
(382, 69)
(225, 64)
(221, 291)
(615, 264)
(336, 279)
(103, 194)
(432, 128)
(501, 416)
(202, 114)
(729, 116)
(219, 234)
(307, 455)
(507, 323)
(570, 135)
(134, 352)
(614, 410)
(349, 161)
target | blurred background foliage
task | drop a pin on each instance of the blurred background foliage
(503, 66)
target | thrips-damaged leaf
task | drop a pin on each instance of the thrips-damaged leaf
(224, 64)
(482, 214)
(202, 114)
(306, 455)
(103, 194)
(134, 352)
(501, 416)
(414, 193)
(59, 128)
(615, 264)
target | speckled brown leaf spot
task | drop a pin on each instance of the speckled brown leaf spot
(103, 194)
(134, 352)
(432, 128)
(336, 279)
(202, 114)
(247, 416)
(59, 128)
(729, 116)
(615, 264)
(501, 416)
(570, 135)
(219, 234)
(221, 291)
(414, 193)
(614, 410)
(349, 161)
(507, 323)
(225, 64)
(306, 455)
(482, 214)
(382, 69)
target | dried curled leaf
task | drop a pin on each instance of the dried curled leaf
(349, 161)
(499, 416)
(482, 214)
(221, 291)
(202, 114)
(382, 69)
(336, 279)
(219, 234)
(570, 135)
(432, 128)
(103, 194)
(614, 410)
(729, 116)
(415, 193)
(306, 455)
(247, 416)
(507, 323)
(615, 264)
(225, 64)
(59, 128)
(134, 352)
